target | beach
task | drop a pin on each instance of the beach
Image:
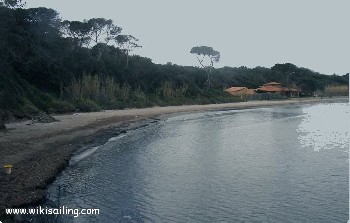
(40, 151)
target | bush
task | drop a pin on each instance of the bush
(40, 100)
(86, 105)
(28, 110)
(60, 107)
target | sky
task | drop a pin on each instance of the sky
(314, 34)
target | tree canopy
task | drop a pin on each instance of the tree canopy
(127, 43)
(206, 51)
(213, 56)
(12, 3)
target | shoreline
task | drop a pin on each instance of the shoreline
(40, 151)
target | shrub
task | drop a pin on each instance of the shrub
(60, 107)
(26, 110)
(40, 100)
(86, 105)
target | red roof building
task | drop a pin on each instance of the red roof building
(274, 87)
(240, 91)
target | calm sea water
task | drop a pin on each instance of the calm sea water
(279, 164)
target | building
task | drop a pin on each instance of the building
(274, 87)
(240, 91)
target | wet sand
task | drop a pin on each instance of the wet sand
(39, 151)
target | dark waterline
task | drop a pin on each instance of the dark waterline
(281, 164)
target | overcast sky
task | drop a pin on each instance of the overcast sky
(314, 34)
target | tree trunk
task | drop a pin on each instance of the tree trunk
(99, 55)
(209, 83)
(101, 51)
(116, 56)
(127, 60)
(208, 78)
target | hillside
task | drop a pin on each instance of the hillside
(54, 66)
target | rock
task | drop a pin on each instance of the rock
(2, 124)
(44, 118)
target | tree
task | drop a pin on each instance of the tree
(12, 3)
(286, 71)
(127, 43)
(79, 31)
(211, 54)
(101, 32)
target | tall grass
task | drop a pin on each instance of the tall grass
(109, 89)
(340, 90)
(124, 91)
(169, 91)
(85, 87)
(91, 91)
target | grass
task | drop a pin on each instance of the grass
(337, 90)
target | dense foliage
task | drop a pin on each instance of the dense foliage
(59, 66)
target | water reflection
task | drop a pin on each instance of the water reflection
(325, 126)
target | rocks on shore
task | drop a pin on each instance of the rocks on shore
(44, 118)
(2, 124)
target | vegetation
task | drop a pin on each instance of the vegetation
(127, 43)
(59, 66)
(211, 54)
(336, 90)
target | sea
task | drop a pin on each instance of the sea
(270, 164)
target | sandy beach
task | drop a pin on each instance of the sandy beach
(39, 151)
